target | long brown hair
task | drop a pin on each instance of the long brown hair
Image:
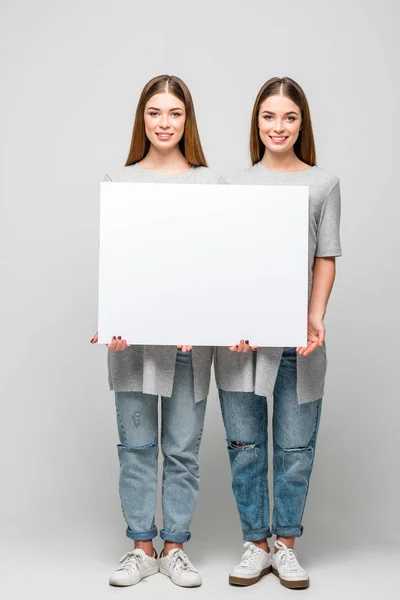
(189, 144)
(304, 147)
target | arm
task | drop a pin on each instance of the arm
(323, 279)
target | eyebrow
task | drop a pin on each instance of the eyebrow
(154, 108)
(292, 112)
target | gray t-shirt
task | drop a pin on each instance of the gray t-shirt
(151, 369)
(257, 371)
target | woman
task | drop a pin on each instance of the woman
(165, 148)
(282, 153)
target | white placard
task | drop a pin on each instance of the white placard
(203, 264)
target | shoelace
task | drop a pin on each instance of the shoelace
(250, 555)
(289, 557)
(130, 561)
(180, 562)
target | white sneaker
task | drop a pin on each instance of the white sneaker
(177, 565)
(254, 564)
(286, 566)
(134, 566)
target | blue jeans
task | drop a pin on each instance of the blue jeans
(181, 431)
(295, 429)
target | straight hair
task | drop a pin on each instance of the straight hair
(304, 147)
(189, 144)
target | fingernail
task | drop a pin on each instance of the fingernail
(237, 346)
(91, 341)
(114, 338)
(247, 341)
(119, 337)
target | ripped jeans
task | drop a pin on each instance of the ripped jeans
(181, 430)
(295, 429)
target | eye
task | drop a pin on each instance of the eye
(176, 114)
(153, 113)
(291, 119)
(268, 117)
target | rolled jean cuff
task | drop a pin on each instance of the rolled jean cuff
(177, 536)
(295, 531)
(254, 535)
(142, 535)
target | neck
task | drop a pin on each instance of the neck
(171, 161)
(285, 161)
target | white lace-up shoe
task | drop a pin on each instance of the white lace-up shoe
(134, 566)
(286, 566)
(178, 567)
(254, 564)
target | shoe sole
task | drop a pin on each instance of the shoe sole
(243, 581)
(153, 572)
(165, 572)
(293, 585)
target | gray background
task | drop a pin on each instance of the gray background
(71, 76)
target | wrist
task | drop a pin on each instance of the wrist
(316, 315)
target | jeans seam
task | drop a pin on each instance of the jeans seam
(123, 431)
(265, 464)
(312, 444)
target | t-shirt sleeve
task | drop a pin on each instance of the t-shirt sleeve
(328, 235)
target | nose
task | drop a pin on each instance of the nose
(165, 122)
(279, 126)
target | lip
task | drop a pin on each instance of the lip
(279, 139)
(164, 137)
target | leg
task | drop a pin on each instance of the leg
(245, 417)
(138, 451)
(182, 427)
(295, 429)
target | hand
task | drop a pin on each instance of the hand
(315, 335)
(185, 348)
(243, 346)
(116, 343)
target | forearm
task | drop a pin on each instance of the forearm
(323, 279)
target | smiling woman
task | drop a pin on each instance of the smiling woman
(165, 148)
(283, 153)
(165, 120)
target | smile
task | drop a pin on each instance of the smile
(278, 140)
(164, 136)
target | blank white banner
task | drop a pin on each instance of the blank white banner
(205, 265)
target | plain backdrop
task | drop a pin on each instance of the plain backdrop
(71, 75)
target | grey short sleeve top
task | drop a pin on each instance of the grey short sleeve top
(151, 369)
(257, 371)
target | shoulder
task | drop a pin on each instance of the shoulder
(129, 173)
(323, 179)
(242, 176)
(205, 175)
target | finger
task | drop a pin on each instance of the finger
(126, 344)
(254, 348)
(179, 347)
(113, 343)
(246, 346)
(233, 348)
(120, 344)
(95, 338)
(240, 346)
(189, 348)
(310, 348)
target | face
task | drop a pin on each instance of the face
(164, 120)
(279, 122)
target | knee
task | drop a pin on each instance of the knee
(241, 446)
(131, 448)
